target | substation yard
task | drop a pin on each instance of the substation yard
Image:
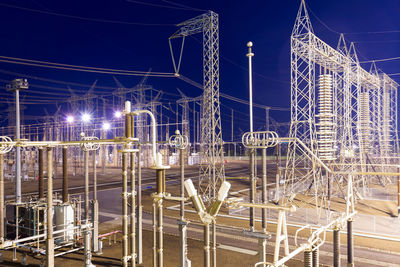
(235, 248)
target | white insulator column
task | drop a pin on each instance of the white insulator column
(325, 114)
(364, 122)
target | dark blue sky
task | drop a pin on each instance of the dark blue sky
(38, 35)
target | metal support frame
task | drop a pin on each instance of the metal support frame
(355, 119)
(212, 170)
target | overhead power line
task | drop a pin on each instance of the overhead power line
(177, 6)
(53, 65)
(232, 98)
(381, 60)
(84, 18)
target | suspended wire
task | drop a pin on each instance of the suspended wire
(377, 42)
(381, 60)
(84, 18)
(47, 64)
(320, 21)
(243, 68)
(376, 32)
(54, 81)
(162, 6)
(184, 6)
(330, 29)
(82, 70)
(232, 98)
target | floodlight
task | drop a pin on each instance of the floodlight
(86, 117)
(117, 114)
(106, 126)
(70, 119)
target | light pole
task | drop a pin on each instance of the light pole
(17, 85)
(250, 55)
(252, 151)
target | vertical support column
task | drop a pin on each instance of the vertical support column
(65, 195)
(87, 251)
(124, 209)
(18, 151)
(206, 245)
(278, 173)
(160, 176)
(252, 189)
(182, 222)
(182, 187)
(95, 208)
(154, 250)
(41, 173)
(133, 211)
(86, 167)
(263, 241)
(139, 210)
(350, 248)
(336, 247)
(160, 234)
(49, 240)
(214, 243)
(1, 198)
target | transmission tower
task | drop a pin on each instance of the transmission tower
(343, 118)
(212, 158)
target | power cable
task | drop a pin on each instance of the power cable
(376, 32)
(84, 18)
(320, 21)
(232, 98)
(54, 81)
(184, 6)
(162, 6)
(48, 64)
(381, 60)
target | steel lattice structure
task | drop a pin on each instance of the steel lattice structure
(343, 115)
(212, 168)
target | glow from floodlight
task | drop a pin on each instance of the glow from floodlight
(106, 126)
(117, 114)
(86, 117)
(70, 119)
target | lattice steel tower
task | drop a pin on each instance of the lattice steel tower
(211, 163)
(343, 118)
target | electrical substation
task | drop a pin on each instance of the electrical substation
(137, 180)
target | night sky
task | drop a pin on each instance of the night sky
(133, 35)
